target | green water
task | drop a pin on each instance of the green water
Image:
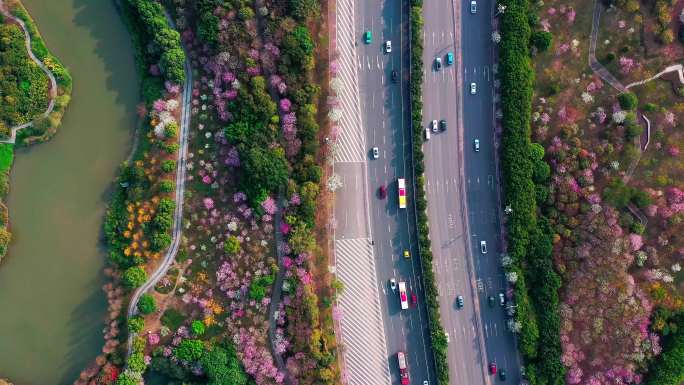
(51, 303)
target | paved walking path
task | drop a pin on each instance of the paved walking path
(597, 67)
(276, 293)
(177, 230)
(53, 82)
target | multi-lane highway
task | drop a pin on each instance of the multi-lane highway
(373, 232)
(462, 190)
(385, 118)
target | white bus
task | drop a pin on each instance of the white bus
(403, 297)
(401, 183)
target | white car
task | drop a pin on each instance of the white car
(388, 46)
(438, 63)
(473, 6)
(426, 382)
(393, 284)
(483, 247)
(446, 334)
(427, 133)
(502, 299)
(435, 128)
(476, 144)
(376, 153)
(473, 88)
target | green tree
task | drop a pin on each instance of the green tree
(197, 328)
(542, 40)
(147, 304)
(134, 276)
(160, 241)
(190, 350)
(126, 379)
(168, 165)
(628, 101)
(536, 151)
(172, 65)
(166, 186)
(267, 169)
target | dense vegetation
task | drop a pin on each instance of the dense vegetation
(43, 127)
(529, 236)
(437, 336)
(668, 368)
(24, 85)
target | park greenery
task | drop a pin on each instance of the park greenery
(43, 127)
(254, 169)
(437, 336)
(26, 94)
(603, 270)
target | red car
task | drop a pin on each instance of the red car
(492, 368)
(414, 299)
(382, 192)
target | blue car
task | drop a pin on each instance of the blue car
(450, 58)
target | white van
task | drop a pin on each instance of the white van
(427, 133)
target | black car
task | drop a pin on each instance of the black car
(459, 301)
(395, 76)
(502, 375)
(442, 125)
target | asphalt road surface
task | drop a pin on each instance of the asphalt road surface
(385, 119)
(477, 332)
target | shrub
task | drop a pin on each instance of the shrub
(134, 276)
(147, 304)
(197, 328)
(136, 324)
(542, 40)
(628, 101)
(232, 245)
(166, 186)
(190, 350)
(168, 165)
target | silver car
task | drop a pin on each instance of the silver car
(473, 88)
(388, 46)
(376, 153)
(435, 128)
(483, 247)
(473, 6)
(476, 144)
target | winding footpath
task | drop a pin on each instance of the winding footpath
(177, 230)
(53, 82)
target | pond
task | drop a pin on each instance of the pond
(51, 300)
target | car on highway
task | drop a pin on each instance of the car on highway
(450, 58)
(492, 367)
(491, 301)
(382, 191)
(393, 284)
(476, 145)
(427, 133)
(367, 37)
(407, 253)
(446, 334)
(426, 382)
(442, 125)
(502, 375)
(414, 299)
(473, 6)
(473, 88)
(502, 299)
(395, 76)
(435, 126)
(483, 247)
(388, 46)
(438, 63)
(376, 153)
(459, 301)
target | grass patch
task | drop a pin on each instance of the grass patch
(6, 156)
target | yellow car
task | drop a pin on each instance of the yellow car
(407, 254)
